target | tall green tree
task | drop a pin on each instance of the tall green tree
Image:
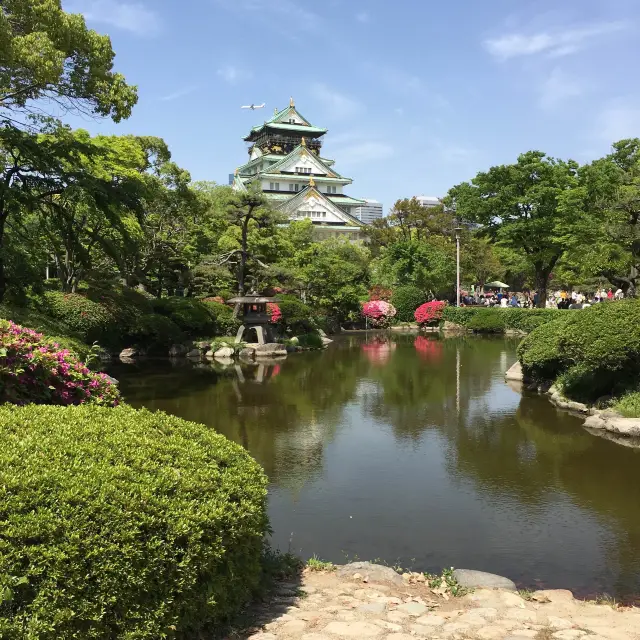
(526, 206)
(46, 53)
(609, 198)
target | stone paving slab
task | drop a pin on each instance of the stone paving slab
(348, 605)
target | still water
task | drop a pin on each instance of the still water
(415, 451)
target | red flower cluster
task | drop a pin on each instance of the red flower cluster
(379, 312)
(35, 370)
(274, 311)
(430, 312)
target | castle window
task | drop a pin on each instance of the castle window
(274, 186)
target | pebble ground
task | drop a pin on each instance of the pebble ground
(325, 606)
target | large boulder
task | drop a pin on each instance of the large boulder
(477, 579)
(270, 349)
(194, 353)
(177, 350)
(130, 352)
(224, 352)
(375, 572)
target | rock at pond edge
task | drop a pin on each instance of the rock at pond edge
(472, 579)
(376, 572)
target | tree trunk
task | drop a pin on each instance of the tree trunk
(3, 281)
(243, 257)
(541, 281)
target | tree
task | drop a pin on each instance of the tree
(97, 200)
(247, 210)
(479, 261)
(609, 197)
(526, 206)
(49, 54)
(430, 266)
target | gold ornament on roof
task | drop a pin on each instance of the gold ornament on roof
(291, 102)
(303, 142)
(312, 182)
(237, 171)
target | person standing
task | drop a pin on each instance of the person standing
(610, 294)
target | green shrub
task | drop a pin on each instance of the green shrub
(460, 315)
(593, 352)
(191, 315)
(91, 320)
(310, 341)
(487, 321)
(225, 323)
(511, 318)
(406, 300)
(629, 405)
(296, 315)
(117, 523)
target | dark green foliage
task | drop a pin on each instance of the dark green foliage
(154, 333)
(117, 523)
(406, 300)
(310, 341)
(296, 315)
(226, 324)
(191, 315)
(592, 352)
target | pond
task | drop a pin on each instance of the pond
(414, 451)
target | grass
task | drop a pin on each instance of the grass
(315, 564)
(526, 594)
(447, 580)
(629, 405)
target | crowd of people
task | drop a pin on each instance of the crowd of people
(561, 299)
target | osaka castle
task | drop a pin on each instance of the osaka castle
(284, 156)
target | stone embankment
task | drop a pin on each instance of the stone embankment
(364, 601)
(197, 351)
(620, 429)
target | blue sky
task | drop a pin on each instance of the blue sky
(417, 95)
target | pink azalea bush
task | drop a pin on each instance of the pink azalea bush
(430, 313)
(36, 370)
(378, 312)
(274, 311)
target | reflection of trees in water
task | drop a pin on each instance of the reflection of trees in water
(283, 413)
(419, 393)
(542, 450)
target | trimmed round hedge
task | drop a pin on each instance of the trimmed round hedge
(591, 353)
(118, 523)
(406, 300)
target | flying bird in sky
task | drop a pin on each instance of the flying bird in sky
(253, 107)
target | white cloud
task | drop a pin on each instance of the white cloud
(128, 16)
(619, 121)
(337, 104)
(232, 74)
(179, 93)
(363, 17)
(559, 87)
(552, 43)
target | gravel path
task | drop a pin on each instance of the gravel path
(329, 606)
